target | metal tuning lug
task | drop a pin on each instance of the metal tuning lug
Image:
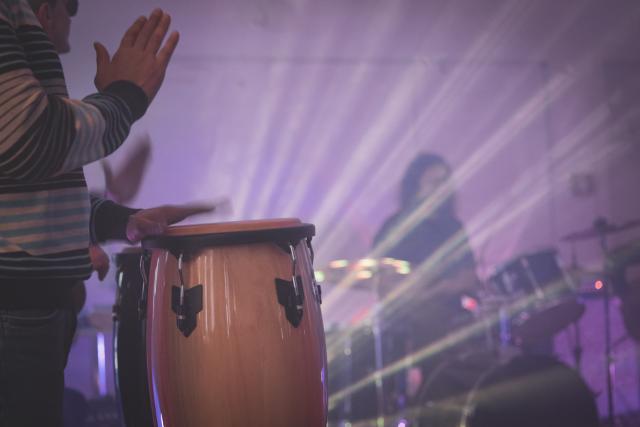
(317, 289)
(186, 303)
(291, 293)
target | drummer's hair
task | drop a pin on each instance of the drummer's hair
(410, 184)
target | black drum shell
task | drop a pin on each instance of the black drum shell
(129, 340)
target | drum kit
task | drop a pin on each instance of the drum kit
(220, 324)
(512, 379)
(525, 303)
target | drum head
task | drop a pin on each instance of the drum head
(194, 237)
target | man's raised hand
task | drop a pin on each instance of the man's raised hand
(141, 58)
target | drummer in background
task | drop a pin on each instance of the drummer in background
(427, 319)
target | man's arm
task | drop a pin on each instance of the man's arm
(108, 220)
(111, 221)
(42, 133)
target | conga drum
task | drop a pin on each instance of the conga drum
(129, 331)
(234, 328)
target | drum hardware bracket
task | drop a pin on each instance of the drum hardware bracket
(186, 303)
(317, 289)
(291, 294)
(142, 300)
(115, 308)
(290, 299)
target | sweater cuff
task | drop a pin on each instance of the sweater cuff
(109, 220)
(132, 95)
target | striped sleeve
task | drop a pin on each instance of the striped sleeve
(109, 220)
(42, 132)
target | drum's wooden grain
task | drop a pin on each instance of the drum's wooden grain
(245, 364)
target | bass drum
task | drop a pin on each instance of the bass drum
(129, 347)
(477, 391)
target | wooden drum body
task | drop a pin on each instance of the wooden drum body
(235, 341)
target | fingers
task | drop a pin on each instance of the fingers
(148, 29)
(102, 55)
(99, 261)
(132, 33)
(178, 213)
(164, 56)
(102, 272)
(200, 208)
(223, 206)
(139, 227)
(102, 63)
(158, 34)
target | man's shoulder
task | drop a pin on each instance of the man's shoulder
(17, 13)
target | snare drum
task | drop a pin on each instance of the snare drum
(542, 297)
(234, 328)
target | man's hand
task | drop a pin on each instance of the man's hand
(141, 57)
(99, 261)
(154, 221)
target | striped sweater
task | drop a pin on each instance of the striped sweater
(45, 139)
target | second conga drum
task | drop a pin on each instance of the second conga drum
(129, 338)
(234, 328)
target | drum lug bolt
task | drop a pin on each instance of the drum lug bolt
(186, 303)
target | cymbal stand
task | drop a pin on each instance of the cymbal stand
(577, 347)
(608, 358)
(377, 343)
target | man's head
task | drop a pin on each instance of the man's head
(55, 18)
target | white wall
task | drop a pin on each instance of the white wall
(313, 109)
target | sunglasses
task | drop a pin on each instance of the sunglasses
(72, 7)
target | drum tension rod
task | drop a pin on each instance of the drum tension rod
(317, 289)
(115, 309)
(291, 293)
(142, 300)
(186, 303)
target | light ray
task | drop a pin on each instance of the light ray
(521, 118)
(436, 111)
(379, 174)
(311, 93)
(484, 227)
(268, 108)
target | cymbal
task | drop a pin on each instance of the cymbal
(600, 227)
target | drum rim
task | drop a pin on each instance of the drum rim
(128, 253)
(230, 226)
(193, 242)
